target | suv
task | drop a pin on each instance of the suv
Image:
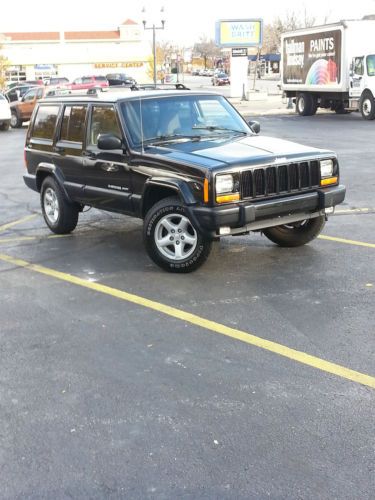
(185, 162)
(88, 82)
(22, 110)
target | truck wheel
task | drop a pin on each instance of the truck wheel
(172, 240)
(296, 234)
(306, 104)
(15, 121)
(60, 215)
(367, 105)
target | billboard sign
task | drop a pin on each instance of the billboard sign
(239, 32)
(313, 59)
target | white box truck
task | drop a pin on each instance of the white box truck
(332, 67)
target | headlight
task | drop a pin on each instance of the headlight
(326, 168)
(224, 184)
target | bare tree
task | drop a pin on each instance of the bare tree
(4, 62)
(207, 50)
(290, 22)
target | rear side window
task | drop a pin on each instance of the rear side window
(73, 124)
(45, 122)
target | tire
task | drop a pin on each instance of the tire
(5, 126)
(168, 221)
(367, 105)
(60, 215)
(15, 121)
(306, 104)
(296, 234)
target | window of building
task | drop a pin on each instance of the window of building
(73, 124)
(45, 122)
(103, 121)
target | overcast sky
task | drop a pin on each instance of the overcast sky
(186, 20)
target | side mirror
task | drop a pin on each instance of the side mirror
(254, 126)
(109, 141)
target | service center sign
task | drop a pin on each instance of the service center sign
(239, 32)
(312, 59)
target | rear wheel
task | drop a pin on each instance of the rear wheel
(4, 126)
(296, 234)
(171, 238)
(367, 105)
(306, 104)
(60, 215)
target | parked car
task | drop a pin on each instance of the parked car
(21, 110)
(4, 113)
(56, 81)
(88, 82)
(187, 163)
(220, 79)
(16, 93)
(120, 79)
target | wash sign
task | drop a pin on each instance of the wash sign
(239, 32)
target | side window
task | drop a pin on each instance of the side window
(103, 121)
(45, 122)
(358, 65)
(39, 93)
(30, 96)
(73, 123)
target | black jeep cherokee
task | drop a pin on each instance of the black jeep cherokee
(186, 162)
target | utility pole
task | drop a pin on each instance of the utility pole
(153, 28)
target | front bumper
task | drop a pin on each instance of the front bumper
(251, 216)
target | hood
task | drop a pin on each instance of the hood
(238, 152)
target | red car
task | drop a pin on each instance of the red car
(88, 82)
(221, 79)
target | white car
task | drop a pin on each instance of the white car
(4, 113)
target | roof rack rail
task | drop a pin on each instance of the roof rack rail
(68, 93)
(159, 86)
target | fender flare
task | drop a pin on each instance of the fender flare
(55, 172)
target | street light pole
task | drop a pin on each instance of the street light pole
(154, 28)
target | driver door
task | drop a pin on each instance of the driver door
(106, 173)
(357, 80)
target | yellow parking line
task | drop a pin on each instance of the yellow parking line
(354, 211)
(348, 242)
(281, 350)
(4, 227)
(17, 239)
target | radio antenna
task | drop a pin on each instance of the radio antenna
(141, 121)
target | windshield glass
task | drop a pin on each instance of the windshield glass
(370, 61)
(188, 115)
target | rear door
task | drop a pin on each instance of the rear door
(106, 173)
(69, 148)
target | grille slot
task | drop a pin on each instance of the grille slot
(280, 179)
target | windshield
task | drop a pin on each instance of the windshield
(370, 61)
(155, 118)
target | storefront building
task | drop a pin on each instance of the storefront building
(73, 54)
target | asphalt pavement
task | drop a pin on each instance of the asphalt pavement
(251, 378)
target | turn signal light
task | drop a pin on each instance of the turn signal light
(328, 181)
(205, 191)
(227, 198)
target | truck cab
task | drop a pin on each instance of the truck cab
(362, 85)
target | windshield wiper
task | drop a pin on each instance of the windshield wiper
(213, 128)
(161, 139)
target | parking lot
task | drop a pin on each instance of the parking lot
(252, 377)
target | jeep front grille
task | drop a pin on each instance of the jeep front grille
(280, 179)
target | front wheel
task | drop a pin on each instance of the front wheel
(367, 106)
(171, 238)
(15, 121)
(60, 215)
(296, 234)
